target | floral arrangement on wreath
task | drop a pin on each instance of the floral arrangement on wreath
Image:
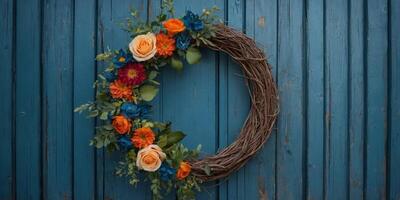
(129, 83)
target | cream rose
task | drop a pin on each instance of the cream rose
(150, 158)
(143, 47)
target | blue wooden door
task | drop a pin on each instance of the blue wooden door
(336, 63)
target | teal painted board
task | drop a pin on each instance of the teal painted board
(84, 75)
(7, 68)
(261, 25)
(58, 99)
(266, 34)
(394, 106)
(335, 63)
(111, 13)
(357, 100)
(376, 99)
(28, 100)
(188, 98)
(291, 121)
(336, 99)
(315, 99)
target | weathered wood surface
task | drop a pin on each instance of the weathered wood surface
(336, 64)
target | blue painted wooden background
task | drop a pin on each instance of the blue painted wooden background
(336, 62)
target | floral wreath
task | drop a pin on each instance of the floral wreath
(129, 83)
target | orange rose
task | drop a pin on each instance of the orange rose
(183, 171)
(150, 158)
(174, 26)
(143, 47)
(121, 124)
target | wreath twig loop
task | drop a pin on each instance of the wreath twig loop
(264, 105)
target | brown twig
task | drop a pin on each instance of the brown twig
(264, 105)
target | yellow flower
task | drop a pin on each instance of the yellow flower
(143, 47)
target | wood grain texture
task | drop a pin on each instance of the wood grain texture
(315, 94)
(261, 25)
(28, 100)
(291, 121)
(336, 101)
(393, 183)
(84, 75)
(336, 64)
(376, 99)
(7, 67)
(357, 100)
(58, 98)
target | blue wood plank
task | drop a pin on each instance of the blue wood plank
(356, 101)
(377, 44)
(261, 24)
(6, 103)
(28, 100)
(315, 99)
(84, 74)
(394, 111)
(237, 98)
(336, 76)
(58, 98)
(111, 13)
(189, 100)
(291, 127)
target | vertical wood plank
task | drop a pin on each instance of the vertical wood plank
(111, 36)
(237, 98)
(356, 101)
(291, 86)
(58, 97)
(189, 97)
(261, 24)
(377, 44)
(315, 99)
(336, 32)
(28, 100)
(394, 106)
(84, 74)
(6, 103)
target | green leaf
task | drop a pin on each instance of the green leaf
(207, 170)
(153, 74)
(104, 116)
(162, 141)
(176, 64)
(175, 137)
(148, 92)
(193, 55)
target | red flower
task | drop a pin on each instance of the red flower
(132, 74)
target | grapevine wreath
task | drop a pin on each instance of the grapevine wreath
(129, 83)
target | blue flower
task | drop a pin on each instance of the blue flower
(183, 41)
(121, 59)
(166, 172)
(110, 76)
(125, 142)
(131, 110)
(192, 21)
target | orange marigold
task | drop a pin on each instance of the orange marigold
(143, 137)
(165, 45)
(119, 90)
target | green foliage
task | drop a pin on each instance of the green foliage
(104, 107)
(148, 92)
(176, 63)
(193, 55)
